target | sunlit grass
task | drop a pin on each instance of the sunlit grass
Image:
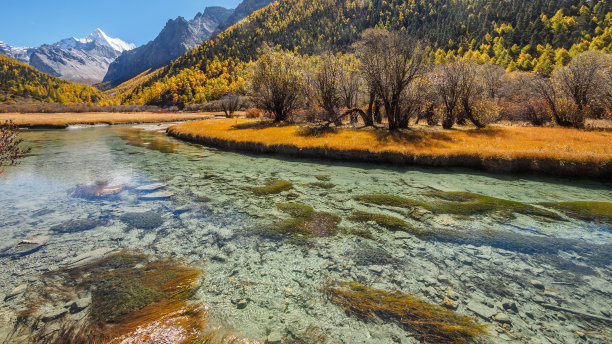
(64, 119)
(498, 141)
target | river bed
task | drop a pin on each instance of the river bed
(542, 277)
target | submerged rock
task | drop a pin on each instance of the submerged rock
(159, 195)
(142, 220)
(98, 190)
(77, 225)
(28, 246)
(150, 187)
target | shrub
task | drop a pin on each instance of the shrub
(254, 113)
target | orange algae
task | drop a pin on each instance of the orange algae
(432, 323)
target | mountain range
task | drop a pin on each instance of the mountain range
(83, 60)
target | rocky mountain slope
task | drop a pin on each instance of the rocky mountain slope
(177, 37)
(19, 53)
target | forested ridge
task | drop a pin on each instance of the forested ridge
(22, 83)
(517, 34)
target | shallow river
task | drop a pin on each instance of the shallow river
(543, 278)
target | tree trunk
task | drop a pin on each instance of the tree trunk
(470, 115)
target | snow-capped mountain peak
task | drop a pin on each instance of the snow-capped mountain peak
(101, 38)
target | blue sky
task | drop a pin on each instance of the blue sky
(35, 22)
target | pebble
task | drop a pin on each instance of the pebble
(480, 309)
(151, 187)
(376, 268)
(537, 284)
(53, 315)
(450, 304)
(242, 304)
(502, 318)
(157, 196)
(274, 338)
(510, 305)
(20, 289)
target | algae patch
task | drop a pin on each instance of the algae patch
(306, 222)
(386, 221)
(585, 210)
(273, 187)
(431, 323)
(460, 203)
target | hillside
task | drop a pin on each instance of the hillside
(22, 83)
(516, 34)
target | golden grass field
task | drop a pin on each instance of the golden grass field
(64, 119)
(505, 142)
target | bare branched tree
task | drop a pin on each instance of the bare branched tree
(459, 87)
(390, 61)
(325, 82)
(581, 79)
(492, 78)
(10, 152)
(277, 83)
(230, 104)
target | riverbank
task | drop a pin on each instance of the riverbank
(63, 120)
(498, 149)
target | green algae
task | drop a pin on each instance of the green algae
(322, 185)
(142, 220)
(585, 210)
(306, 222)
(460, 203)
(467, 203)
(391, 201)
(318, 224)
(273, 187)
(295, 209)
(386, 221)
(119, 295)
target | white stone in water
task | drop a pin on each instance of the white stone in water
(274, 338)
(159, 195)
(20, 289)
(480, 309)
(89, 257)
(151, 187)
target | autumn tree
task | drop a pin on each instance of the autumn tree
(324, 80)
(460, 87)
(231, 103)
(584, 79)
(277, 83)
(10, 152)
(390, 61)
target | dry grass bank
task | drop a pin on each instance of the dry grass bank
(557, 151)
(61, 120)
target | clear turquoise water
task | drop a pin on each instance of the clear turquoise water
(213, 221)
